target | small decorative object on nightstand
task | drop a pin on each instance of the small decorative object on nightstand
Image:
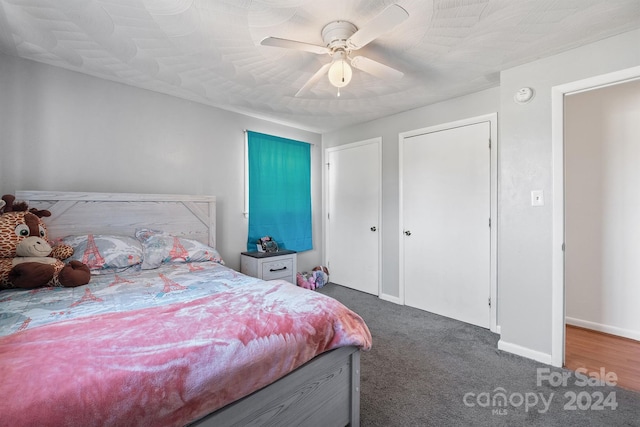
(270, 265)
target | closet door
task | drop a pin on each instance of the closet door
(352, 224)
(446, 207)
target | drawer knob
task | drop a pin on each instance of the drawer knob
(278, 269)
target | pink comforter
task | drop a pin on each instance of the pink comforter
(167, 365)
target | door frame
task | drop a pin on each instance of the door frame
(492, 118)
(325, 197)
(557, 150)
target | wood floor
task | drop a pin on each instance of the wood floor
(585, 348)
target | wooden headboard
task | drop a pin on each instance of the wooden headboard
(122, 213)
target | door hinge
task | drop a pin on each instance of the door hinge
(489, 222)
(562, 247)
(489, 301)
(328, 215)
(328, 165)
(489, 143)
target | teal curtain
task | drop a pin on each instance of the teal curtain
(279, 191)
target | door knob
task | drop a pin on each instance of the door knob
(373, 228)
(408, 233)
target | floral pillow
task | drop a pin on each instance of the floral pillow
(101, 251)
(159, 247)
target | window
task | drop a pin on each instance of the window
(279, 174)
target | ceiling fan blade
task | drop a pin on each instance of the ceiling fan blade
(385, 21)
(314, 79)
(375, 68)
(292, 44)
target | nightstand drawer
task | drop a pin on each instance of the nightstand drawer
(270, 266)
(277, 269)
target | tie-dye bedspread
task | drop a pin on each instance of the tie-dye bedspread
(157, 347)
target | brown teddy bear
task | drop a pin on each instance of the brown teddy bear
(27, 260)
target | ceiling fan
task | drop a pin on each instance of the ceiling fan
(341, 39)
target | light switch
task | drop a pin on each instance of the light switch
(537, 198)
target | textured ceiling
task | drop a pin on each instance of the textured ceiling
(209, 51)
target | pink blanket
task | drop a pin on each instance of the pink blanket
(171, 364)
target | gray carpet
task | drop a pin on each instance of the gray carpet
(422, 366)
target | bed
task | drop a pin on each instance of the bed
(178, 339)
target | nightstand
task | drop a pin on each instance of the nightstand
(270, 265)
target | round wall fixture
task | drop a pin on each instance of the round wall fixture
(523, 95)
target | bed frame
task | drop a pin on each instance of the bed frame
(323, 392)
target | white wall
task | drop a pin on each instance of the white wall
(61, 130)
(602, 208)
(525, 164)
(389, 128)
(525, 232)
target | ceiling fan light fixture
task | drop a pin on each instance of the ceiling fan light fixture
(340, 72)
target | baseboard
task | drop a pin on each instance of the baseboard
(390, 298)
(607, 329)
(525, 352)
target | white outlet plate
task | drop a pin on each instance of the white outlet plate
(537, 198)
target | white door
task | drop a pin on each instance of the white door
(446, 207)
(353, 215)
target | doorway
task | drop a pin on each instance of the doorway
(447, 207)
(602, 239)
(602, 207)
(559, 266)
(353, 215)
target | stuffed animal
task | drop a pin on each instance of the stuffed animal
(27, 260)
(316, 278)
